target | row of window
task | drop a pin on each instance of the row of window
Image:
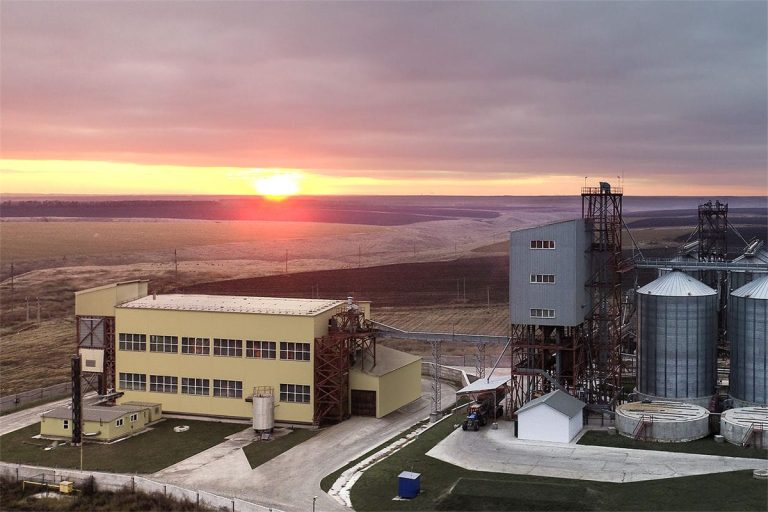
(542, 313)
(297, 393)
(542, 244)
(133, 418)
(543, 278)
(221, 347)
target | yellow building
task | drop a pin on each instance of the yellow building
(205, 354)
(101, 423)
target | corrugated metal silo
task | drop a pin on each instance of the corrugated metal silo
(677, 329)
(740, 278)
(748, 333)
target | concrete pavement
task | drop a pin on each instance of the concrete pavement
(498, 451)
(20, 419)
(290, 481)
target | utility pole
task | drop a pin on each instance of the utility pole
(27, 298)
(465, 289)
(359, 255)
(12, 301)
(286, 261)
(488, 292)
(38, 310)
(176, 265)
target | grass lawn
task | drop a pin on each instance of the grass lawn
(260, 452)
(145, 453)
(706, 446)
(448, 487)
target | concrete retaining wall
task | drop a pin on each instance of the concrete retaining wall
(115, 481)
(448, 374)
(665, 431)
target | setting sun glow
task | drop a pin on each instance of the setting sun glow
(277, 186)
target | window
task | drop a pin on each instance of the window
(294, 393)
(542, 313)
(133, 381)
(228, 388)
(190, 386)
(295, 351)
(260, 349)
(119, 422)
(66, 424)
(163, 383)
(90, 363)
(134, 417)
(197, 346)
(132, 341)
(543, 278)
(163, 343)
(229, 348)
(542, 244)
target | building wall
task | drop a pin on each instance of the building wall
(575, 425)
(568, 261)
(108, 430)
(251, 372)
(398, 388)
(365, 382)
(543, 423)
(101, 301)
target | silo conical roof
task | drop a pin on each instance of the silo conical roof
(676, 284)
(757, 289)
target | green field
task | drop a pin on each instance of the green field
(706, 446)
(260, 452)
(146, 453)
(448, 487)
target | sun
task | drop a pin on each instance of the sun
(277, 186)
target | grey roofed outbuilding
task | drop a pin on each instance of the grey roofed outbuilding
(483, 384)
(94, 412)
(558, 400)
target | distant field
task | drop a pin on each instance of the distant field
(28, 241)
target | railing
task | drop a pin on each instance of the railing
(50, 393)
(642, 425)
(738, 266)
(754, 429)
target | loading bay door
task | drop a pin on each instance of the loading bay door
(363, 403)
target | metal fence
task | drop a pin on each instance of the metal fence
(23, 399)
(115, 482)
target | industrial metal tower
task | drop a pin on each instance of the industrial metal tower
(601, 207)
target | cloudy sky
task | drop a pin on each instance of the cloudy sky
(499, 98)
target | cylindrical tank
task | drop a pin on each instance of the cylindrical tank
(739, 278)
(677, 329)
(263, 411)
(748, 334)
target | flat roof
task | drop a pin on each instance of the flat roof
(387, 360)
(95, 412)
(234, 304)
(484, 384)
(746, 416)
(663, 411)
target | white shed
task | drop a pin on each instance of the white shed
(556, 416)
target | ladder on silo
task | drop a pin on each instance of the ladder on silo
(642, 427)
(755, 431)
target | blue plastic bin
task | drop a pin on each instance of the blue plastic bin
(408, 484)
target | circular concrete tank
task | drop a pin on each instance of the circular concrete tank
(677, 328)
(735, 424)
(662, 421)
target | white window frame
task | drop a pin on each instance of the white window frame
(543, 313)
(196, 346)
(66, 424)
(134, 417)
(542, 278)
(163, 384)
(227, 388)
(543, 244)
(295, 393)
(132, 381)
(132, 342)
(224, 347)
(294, 351)
(196, 387)
(119, 422)
(163, 344)
(255, 349)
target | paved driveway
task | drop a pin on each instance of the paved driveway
(498, 451)
(289, 481)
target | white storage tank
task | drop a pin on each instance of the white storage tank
(263, 409)
(748, 333)
(745, 426)
(677, 334)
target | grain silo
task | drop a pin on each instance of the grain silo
(677, 332)
(755, 253)
(748, 334)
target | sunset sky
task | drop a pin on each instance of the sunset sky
(481, 98)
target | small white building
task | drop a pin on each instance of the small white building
(556, 416)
